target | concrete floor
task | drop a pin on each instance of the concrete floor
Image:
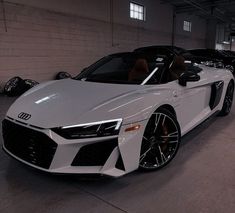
(200, 179)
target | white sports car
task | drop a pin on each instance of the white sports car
(126, 111)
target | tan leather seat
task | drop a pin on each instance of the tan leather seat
(177, 68)
(139, 71)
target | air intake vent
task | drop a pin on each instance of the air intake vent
(29, 145)
(120, 164)
(95, 154)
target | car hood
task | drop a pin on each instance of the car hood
(68, 102)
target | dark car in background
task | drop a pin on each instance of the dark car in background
(169, 51)
(172, 52)
(212, 56)
(229, 53)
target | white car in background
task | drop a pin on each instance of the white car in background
(126, 111)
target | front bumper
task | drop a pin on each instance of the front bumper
(45, 150)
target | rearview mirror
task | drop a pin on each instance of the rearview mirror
(188, 77)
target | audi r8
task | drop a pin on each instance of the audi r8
(126, 111)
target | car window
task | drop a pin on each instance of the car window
(113, 64)
(126, 68)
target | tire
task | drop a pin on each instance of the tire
(160, 141)
(62, 75)
(14, 86)
(228, 100)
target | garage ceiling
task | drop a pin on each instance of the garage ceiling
(222, 10)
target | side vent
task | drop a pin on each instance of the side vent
(216, 92)
(95, 154)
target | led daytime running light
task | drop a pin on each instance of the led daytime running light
(119, 121)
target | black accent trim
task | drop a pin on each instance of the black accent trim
(25, 124)
(95, 154)
(216, 93)
(10, 118)
(36, 127)
(27, 144)
(120, 164)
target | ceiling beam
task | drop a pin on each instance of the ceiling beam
(206, 9)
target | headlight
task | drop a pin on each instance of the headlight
(90, 130)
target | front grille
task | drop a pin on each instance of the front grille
(95, 154)
(27, 144)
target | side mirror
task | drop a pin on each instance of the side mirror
(188, 77)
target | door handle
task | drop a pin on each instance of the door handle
(175, 94)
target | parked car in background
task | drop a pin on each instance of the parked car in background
(171, 52)
(16, 86)
(229, 52)
(214, 57)
(168, 50)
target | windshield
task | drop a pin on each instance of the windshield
(125, 68)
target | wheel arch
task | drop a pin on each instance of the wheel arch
(169, 108)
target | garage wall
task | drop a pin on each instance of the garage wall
(233, 46)
(47, 36)
(194, 39)
(40, 42)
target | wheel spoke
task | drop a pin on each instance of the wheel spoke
(157, 162)
(174, 133)
(144, 154)
(145, 138)
(163, 157)
(168, 142)
(171, 135)
(157, 120)
(163, 121)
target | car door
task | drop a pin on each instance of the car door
(191, 102)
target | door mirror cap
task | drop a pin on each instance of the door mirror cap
(188, 77)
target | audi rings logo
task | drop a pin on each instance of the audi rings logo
(24, 116)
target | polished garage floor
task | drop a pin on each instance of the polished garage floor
(201, 179)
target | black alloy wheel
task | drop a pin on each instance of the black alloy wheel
(29, 83)
(228, 100)
(62, 75)
(161, 140)
(14, 86)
